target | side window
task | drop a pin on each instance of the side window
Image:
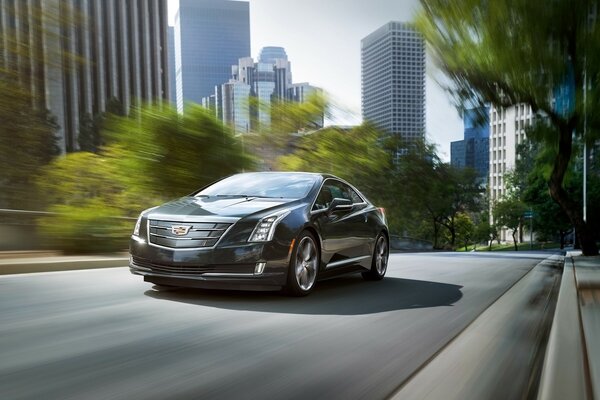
(325, 196)
(350, 194)
(332, 189)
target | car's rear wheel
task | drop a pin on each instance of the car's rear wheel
(380, 259)
(304, 265)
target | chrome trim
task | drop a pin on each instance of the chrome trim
(147, 271)
(364, 200)
(281, 214)
(179, 238)
(194, 218)
(138, 239)
(346, 261)
(191, 230)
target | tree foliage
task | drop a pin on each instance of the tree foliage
(508, 212)
(521, 51)
(353, 155)
(151, 156)
(27, 143)
(161, 151)
(421, 194)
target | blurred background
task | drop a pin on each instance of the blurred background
(107, 110)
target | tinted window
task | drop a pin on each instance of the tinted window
(332, 189)
(291, 186)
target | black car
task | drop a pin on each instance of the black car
(262, 231)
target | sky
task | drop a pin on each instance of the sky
(322, 41)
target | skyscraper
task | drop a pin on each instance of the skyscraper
(210, 36)
(244, 102)
(393, 80)
(474, 150)
(172, 81)
(110, 50)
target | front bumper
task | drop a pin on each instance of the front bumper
(230, 267)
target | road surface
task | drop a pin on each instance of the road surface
(105, 334)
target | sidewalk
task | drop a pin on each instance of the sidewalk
(21, 262)
(572, 362)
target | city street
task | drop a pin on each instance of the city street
(106, 334)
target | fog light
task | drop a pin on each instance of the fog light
(260, 267)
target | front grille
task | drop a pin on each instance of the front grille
(193, 270)
(185, 235)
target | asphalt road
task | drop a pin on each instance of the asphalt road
(105, 334)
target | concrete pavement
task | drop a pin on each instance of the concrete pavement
(571, 367)
(572, 363)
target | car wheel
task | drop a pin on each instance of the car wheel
(380, 259)
(304, 266)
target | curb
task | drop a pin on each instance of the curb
(24, 266)
(565, 372)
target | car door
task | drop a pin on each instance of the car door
(342, 231)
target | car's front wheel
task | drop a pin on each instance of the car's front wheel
(304, 265)
(380, 259)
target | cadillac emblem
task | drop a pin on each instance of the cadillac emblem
(180, 230)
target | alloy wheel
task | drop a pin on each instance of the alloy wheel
(306, 263)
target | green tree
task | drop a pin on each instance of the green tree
(27, 143)
(152, 156)
(485, 232)
(465, 229)
(521, 51)
(161, 151)
(353, 155)
(27, 129)
(87, 194)
(508, 212)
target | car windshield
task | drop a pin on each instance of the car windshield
(280, 185)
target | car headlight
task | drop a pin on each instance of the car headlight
(138, 223)
(265, 229)
(136, 230)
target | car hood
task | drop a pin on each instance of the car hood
(218, 206)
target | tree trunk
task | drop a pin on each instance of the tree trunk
(521, 231)
(435, 234)
(559, 194)
(514, 235)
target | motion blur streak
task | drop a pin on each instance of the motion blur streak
(103, 334)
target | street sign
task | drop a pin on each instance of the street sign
(528, 214)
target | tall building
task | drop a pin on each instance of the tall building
(110, 50)
(235, 105)
(172, 81)
(474, 150)
(210, 36)
(507, 130)
(256, 86)
(393, 80)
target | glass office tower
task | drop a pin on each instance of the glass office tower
(210, 36)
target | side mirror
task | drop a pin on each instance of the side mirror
(338, 204)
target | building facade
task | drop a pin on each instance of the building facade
(474, 150)
(210, 36)
(77, 55)
(171, 54)
(252, 89)
(393, 80)
(507, 131)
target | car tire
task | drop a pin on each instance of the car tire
(379, 264)
(304, 264)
